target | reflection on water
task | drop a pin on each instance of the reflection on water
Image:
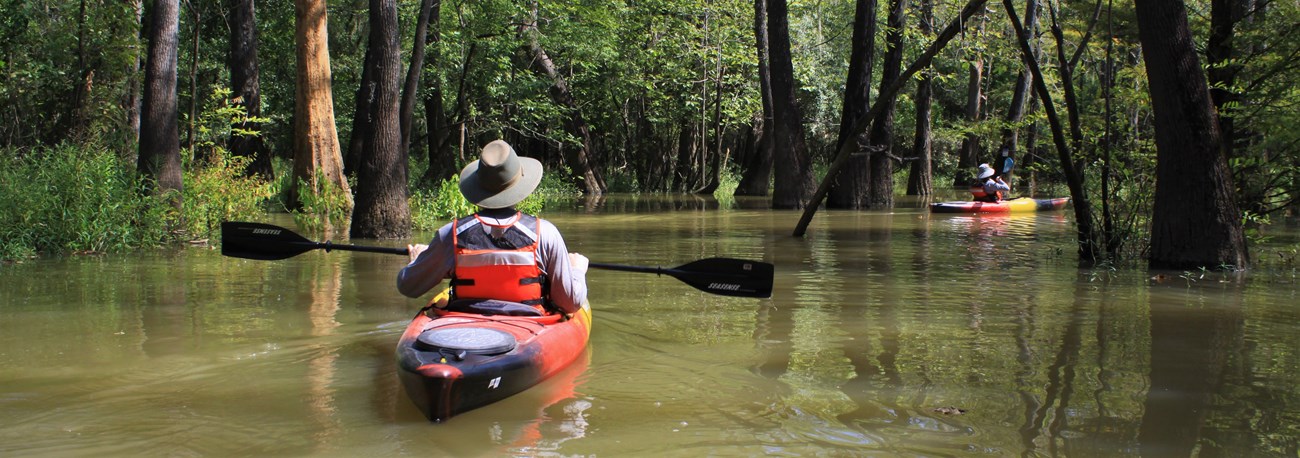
(890, 333)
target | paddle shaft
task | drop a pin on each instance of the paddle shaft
(724, 276)
(327, 246)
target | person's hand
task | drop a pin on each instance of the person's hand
(579, 262)
(415, 250)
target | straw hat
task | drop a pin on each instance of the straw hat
(500, 178)
(985, 171)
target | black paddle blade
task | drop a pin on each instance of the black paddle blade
(262, 241)
(727, 277)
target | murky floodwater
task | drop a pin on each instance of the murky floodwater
(889, 333)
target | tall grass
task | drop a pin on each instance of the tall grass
(75, 198)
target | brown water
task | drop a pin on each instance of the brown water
(878, 319)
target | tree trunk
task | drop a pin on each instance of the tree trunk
(361, 120)
(919, 178)
(412, 86)
(579, 159)
(1089, 250)
(849, 188)
(880, 188)
(1220, 52)
(160, 157)
(246, 89)
(1195, 222)
(382, 211)
(755, 179)
(317, 161)
(793, 182)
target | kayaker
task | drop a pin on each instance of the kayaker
(499, 253)
(988, 186)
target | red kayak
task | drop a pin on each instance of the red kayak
(1018, 205)
(454, 361)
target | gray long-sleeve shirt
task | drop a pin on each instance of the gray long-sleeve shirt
(568, 285)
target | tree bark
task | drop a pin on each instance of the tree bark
(880, 187)
(361, 119)
(756, 178)
(1220, 52)
(412, 86)
(245, 86)
(160, 158)
(793, 178)
(849, 188)
(579, 159)
(381, 177)
(317, 161)
(1195, 222)
(381, 208)
(920, 179)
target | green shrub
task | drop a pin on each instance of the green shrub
(215, 187)
(79, 199)
(217, 191)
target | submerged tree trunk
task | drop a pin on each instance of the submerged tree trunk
(849, 188)
(1089, 249)
(1195, 222)
(880, 188)
(793, 178)
(160, 157)
(756, 177)
(245, 86)
(381, 210)
(317, 161)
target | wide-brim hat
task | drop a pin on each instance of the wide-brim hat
(500, 178)
(985, 171)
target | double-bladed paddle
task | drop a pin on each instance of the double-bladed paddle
(722, 276)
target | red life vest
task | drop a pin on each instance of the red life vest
(500, 263)
(977, 191)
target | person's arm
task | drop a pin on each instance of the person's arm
(568, 278)
(429, 266)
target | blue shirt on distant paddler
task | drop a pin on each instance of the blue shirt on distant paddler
(499, 253)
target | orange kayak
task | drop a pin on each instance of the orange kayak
(454, 361)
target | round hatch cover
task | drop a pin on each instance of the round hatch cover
(477, 341)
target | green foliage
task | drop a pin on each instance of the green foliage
(217, 191)
(431, 208)
(77, 199)
(322, 205)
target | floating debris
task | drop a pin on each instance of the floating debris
(949, 410)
